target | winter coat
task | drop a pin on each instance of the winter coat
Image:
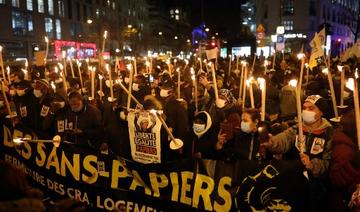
(88, 120)
(345, 162)
(244, 146)
(317, 146)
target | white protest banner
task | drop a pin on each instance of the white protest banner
(144, 133)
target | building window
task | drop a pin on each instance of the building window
(51, 7)
(58, 28)
(18, 23)
(29, 5)
(2, 1)
(41, 8)
(288, 6)
(289, 25)
(30, 25)
(61, 9)
(49, 29)
(15, 3)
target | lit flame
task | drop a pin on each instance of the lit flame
(168, 61)
(63, 54)
(53, 86)
(1, 48)
(61, 66)
(46, 39)
(249, 81)
(147, 63)
(101, 77)
(186, 61)
(325, 71)
(356, 74)
(350, 84)
(93, 69)
(199, 59)
(8, 69)
(340, 68)
(105, 34)
(26, 63)
(301, 56)
(306, 65)
(293, 83)
(107, 67)
(56, 69)
(129, 66)
(261, 83)
(266, 63)
(18, 140)
(243, 62)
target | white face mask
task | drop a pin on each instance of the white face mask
(220, 103)
(127, 80)
(245, 127)
(20, 92)
(308, 116)
(135, 87)
(37, 93)
(198, 128)
(12, 92)
(164, 93)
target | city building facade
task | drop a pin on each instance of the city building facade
(302, 18)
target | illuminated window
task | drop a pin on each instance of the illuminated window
(29, 5)
(289, 25)
(49, 29)
(61, 9)
(15, 3)
(18, 23)
(58, 28)
(30, 24)
(177, 17)
(51, 7)
(41, 8)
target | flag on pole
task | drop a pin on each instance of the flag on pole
(316, 52)
(350, 52)
(212, 53)
(322, 36)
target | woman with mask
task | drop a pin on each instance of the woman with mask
(238, 137)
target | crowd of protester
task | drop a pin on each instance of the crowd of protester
(221, 130)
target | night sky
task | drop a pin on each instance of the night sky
(221, 15)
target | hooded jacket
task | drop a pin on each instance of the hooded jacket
(317, 146)
(344, 169)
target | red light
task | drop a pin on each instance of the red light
(213, 43)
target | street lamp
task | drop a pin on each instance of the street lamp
(188, 40)
(129, 26)
(207, 29)
(176, 37)
(89, 21)
(160, 33)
